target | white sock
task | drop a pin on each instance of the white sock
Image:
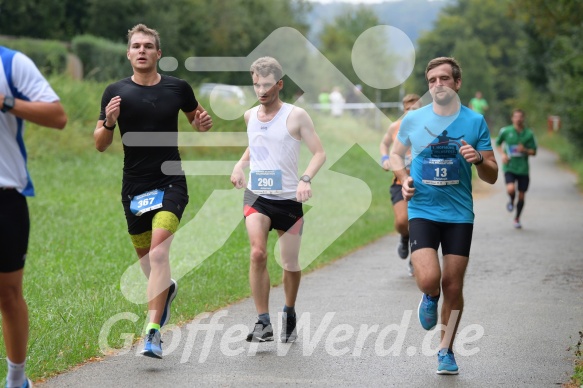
(16, 376)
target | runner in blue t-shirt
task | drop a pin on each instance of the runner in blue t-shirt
(445, 139)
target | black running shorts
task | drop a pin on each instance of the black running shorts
(14, 230)
(455, 239)
(285, 214)
(175, 201)
(396, 193)
(523, 180)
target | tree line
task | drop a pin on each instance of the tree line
(519, 53)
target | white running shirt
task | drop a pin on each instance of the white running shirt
(30, 86)
(272, 148)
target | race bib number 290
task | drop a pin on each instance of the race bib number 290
(266, 182)
(146, 202)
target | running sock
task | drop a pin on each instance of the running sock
(519, 206)
(264, 318)
(16, 376)
(512, 196)
(433, 298)
(152, 325)
(405, 239)
(290, 311)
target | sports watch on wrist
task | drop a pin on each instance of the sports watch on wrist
(306, 178)
(106, 127)
(8, 103)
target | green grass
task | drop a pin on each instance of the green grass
(79, 247)
(568, 155)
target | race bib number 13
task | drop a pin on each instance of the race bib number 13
(441, 172)
(266, 182)
(146, 202)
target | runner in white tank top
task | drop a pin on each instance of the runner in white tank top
(273, 150)
(274, 195)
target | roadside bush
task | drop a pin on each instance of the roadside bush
(50, 56)
(102, 59)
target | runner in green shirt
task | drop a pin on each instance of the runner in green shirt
(516, 143)
(478, 104)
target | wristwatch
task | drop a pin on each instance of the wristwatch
(106, 127)
(306, 178)
(8, 103)
(481, 159)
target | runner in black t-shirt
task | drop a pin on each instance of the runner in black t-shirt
(153, 200)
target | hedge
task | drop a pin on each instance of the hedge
(50, 56)
(102, 59)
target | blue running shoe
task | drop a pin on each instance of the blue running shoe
(428, 311)
(446, 363)
(153, 344)
(172, 291)
(27, 384)
(509, 207)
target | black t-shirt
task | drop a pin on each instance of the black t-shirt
(149, 109)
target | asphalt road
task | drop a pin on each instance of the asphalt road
(523, 292)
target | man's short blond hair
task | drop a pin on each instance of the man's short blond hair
(142, 28)
(265, 66)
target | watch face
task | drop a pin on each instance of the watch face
(8, 103)
(305, 178)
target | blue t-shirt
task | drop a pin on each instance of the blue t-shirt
(442, 177)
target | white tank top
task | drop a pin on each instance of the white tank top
(273, 149)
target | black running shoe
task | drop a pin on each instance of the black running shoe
(261, 333)
(403, 248)
(172, 291)
(288, 328)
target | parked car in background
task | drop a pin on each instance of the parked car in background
(229, 93)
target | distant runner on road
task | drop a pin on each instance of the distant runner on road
(410, 102)
(516, 143)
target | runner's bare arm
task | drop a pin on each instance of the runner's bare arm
(397, 157)
(309, 136)
(104, 137)
(46, 114)
(488, 169)
(238, 175)
(385, 146)
(200, 119)
(485, 162)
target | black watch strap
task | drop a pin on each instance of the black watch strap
(8, 103)
(106, 127)
(481, 159)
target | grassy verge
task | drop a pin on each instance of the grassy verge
(569, 156)
(570, 159)
(79, 247)
(577, 378)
